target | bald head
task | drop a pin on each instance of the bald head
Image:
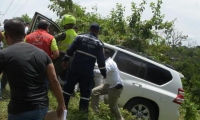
(14, 30)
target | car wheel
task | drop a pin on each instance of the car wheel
(141, 109)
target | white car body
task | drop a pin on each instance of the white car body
(162, 95)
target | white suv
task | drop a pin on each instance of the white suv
(152, 91)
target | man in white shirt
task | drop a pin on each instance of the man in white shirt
(113, 86)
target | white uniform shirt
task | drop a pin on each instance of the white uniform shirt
(113, 78)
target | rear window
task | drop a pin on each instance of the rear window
(157, 74)
(142, 69)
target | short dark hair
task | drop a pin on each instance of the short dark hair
(43, 24)
(107, 52)
(20, 19)
(94, 27)
(15, 29)
(5, 21)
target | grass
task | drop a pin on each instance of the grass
(3, 104)
(73, 112)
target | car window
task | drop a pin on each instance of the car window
(130, 64)
(112, 52)
(142, 69)
(53, 30)
(157, 74)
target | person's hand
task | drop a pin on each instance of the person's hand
(64, 65)
(104, 76)
(60, 110)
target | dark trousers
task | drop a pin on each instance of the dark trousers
(4, 80)
(86, 84)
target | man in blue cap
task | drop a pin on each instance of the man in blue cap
(88, 49)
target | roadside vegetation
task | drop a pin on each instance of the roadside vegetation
(154, 37)
(73, 112)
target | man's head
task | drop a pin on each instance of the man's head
(94, 28)
(43, 24)
(5, 21)
(14, 31)
(107, 53)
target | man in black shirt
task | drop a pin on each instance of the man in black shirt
(27, 69)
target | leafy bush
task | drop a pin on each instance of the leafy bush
(75, 114)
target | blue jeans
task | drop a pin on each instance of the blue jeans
(37, 114)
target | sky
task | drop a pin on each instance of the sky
(186, 12)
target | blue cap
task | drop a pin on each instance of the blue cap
(94, 26)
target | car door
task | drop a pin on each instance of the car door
(54, 29)
(132, 70)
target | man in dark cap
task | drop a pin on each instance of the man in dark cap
(43, 40)
(27, 68)
(87, 49)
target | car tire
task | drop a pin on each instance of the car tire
(141, 108)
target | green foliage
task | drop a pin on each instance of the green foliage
(130, 32)
(75, 114)
(4, 103)
(189, 109)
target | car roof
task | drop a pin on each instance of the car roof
(141, 56)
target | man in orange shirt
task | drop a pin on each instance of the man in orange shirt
(43, 40)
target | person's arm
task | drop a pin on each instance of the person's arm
(56, 88)
(108, 69)
(2, 62)
(54, 49)
(101, 61)
(70, 52)
(60, 36)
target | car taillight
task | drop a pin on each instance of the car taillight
(180, 97)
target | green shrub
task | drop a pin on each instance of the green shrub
(75, 114)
